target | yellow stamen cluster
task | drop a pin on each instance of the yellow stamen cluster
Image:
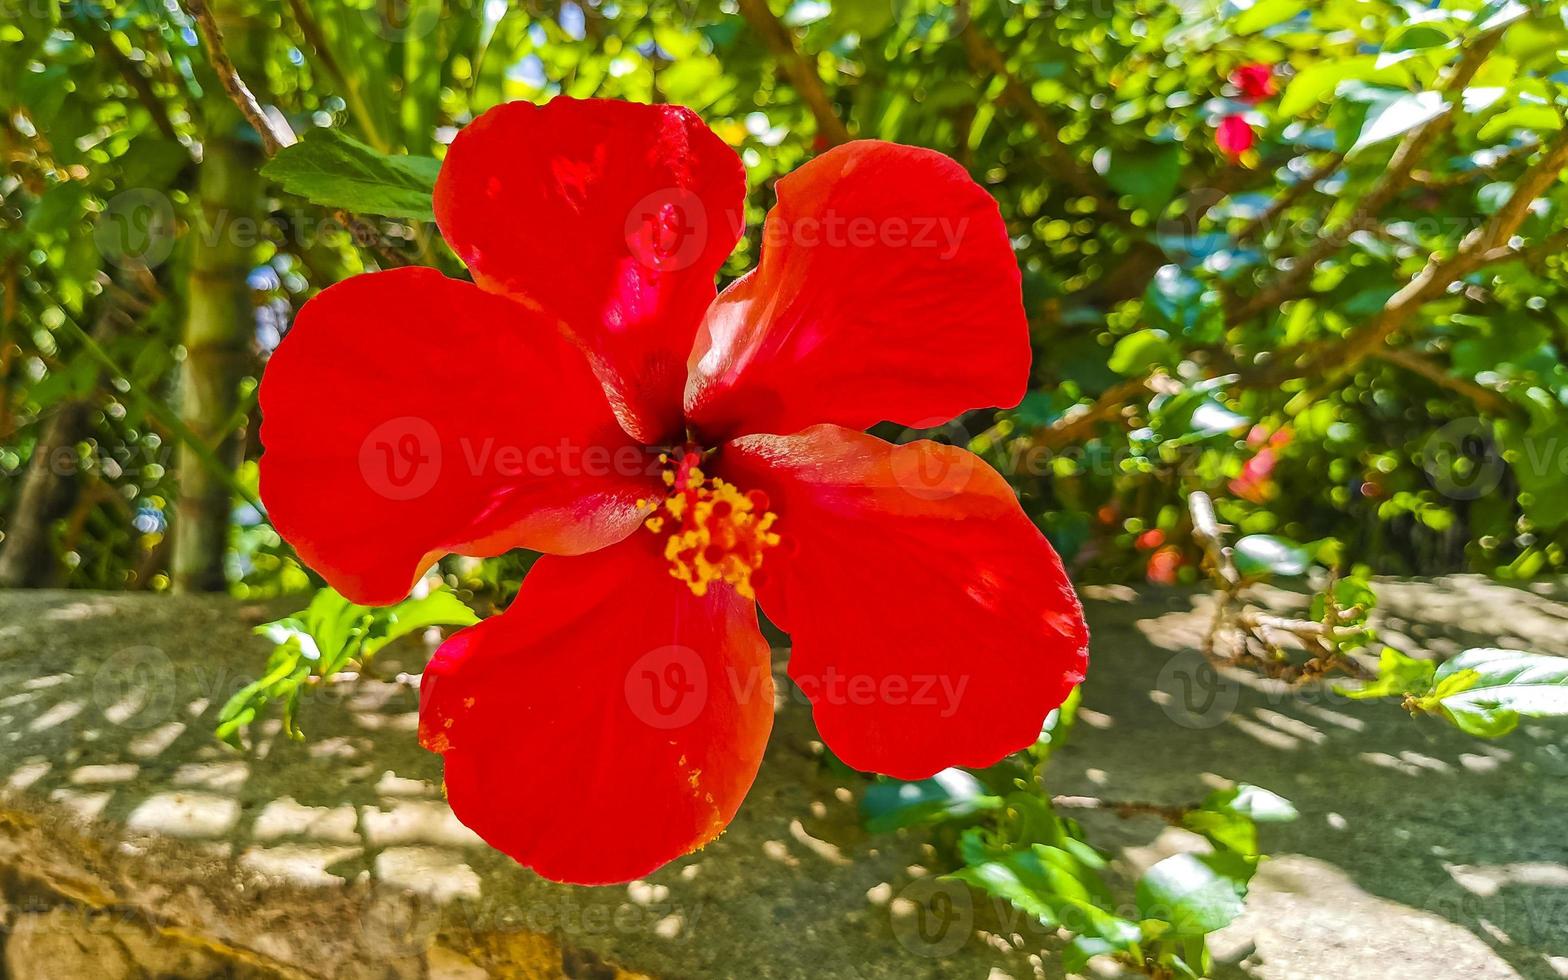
(716, 532)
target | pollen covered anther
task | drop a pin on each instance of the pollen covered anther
(716, 532)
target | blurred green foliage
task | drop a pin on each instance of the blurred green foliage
(1202, 322)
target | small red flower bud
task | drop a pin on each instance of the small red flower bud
(1164, 564)
(1234, 137)
(1256, 81)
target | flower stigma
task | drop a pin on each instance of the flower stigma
(716, 532)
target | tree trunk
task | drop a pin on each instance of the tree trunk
(219, 322)
(49, 488)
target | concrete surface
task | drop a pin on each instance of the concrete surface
(134, 844)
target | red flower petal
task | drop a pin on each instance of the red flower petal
(1234, 136)
(887, 290)
(608, 722)
(1255, 81)
(933, 625)
(407, 415)
(612, 217)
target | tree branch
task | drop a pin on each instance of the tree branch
(801, 71)
(1485, 399)
(274, 132)
(1293, 282)
(1171, 813)
(1061, 164)
(1291, 195)
(1482, 247)
(1078, 422)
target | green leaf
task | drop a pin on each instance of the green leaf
(438, 608)
(1229, 817)
(1414, 37)
(1179, 303)
(1149, 174)
(1532, 455)
(865, 20)
(1078, 952)
(1530, 116)
(1255, 802)
(321, 640)
(1054, 886)
(285, 669)
(1137, 352)
(333, 623)
(1318, 81)
(1411, 38)
(1265, 14)
(1196, 894)
(1500, 12)
(1397, 676)
(1396, 115)
(337, 171)
(950, 794)
(1261, 555)
(1485, 691)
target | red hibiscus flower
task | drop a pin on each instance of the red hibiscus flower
(675, 455)
(1165, 565)
(1234, 137)
(1255, 81)
(1255, 482)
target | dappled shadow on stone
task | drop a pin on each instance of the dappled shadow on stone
(338, 852)
(1400, 817)
(1419, 850)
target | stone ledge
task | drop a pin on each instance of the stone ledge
(135, 843)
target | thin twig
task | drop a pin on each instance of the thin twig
(275, 133)
(1078, 422)
(1484, 246)
(800, 70)
(1295, 280)
(1289, 196)
(1486, 399)
(1207, 532)
(160, 412)
(1171, 813)
(1061, 163)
